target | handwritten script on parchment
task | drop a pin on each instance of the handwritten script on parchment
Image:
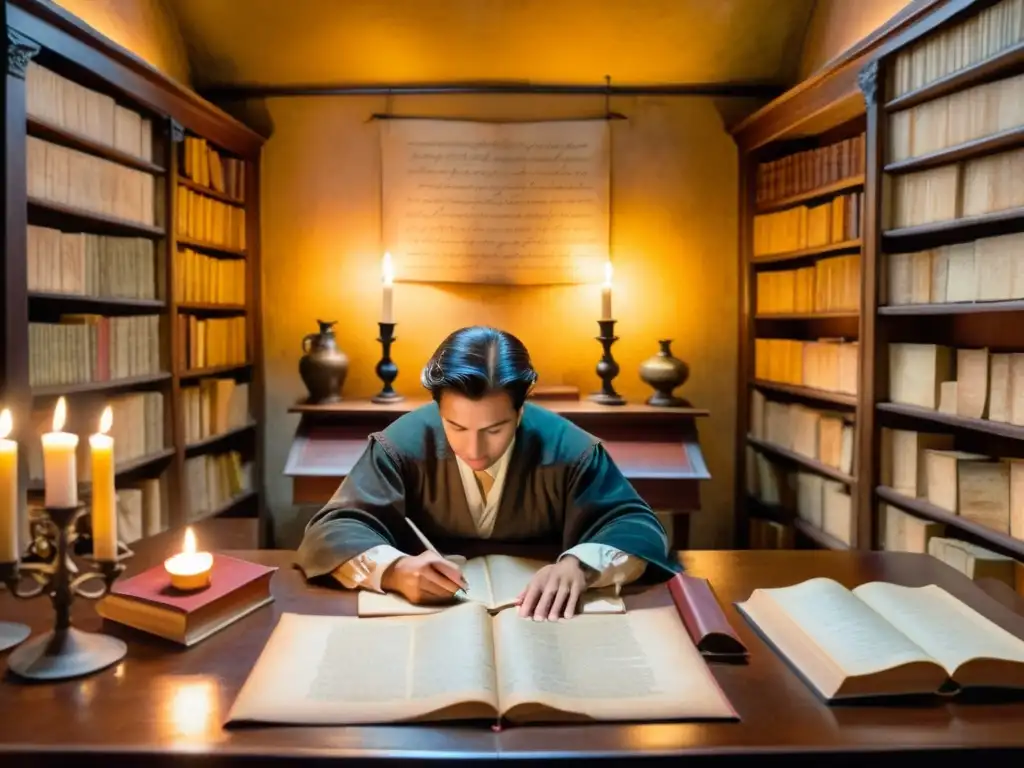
(503, 203)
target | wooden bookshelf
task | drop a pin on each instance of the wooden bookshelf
(933, 263)
(71, 249)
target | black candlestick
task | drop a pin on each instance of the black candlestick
(64, 651)
(607, 368)
(386, 368)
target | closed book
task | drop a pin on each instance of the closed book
(149, 603)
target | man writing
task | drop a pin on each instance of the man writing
(481, 463)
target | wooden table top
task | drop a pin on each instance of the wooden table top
(165, 705)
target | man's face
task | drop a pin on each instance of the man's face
(478, 431)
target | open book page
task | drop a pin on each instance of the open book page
(640, 665)
(495, 581)
(830, 635)
(340, 670)
(946, 628)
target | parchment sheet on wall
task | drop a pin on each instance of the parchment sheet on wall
(499, 203)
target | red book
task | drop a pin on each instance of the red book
(149, 603)
(703, 617)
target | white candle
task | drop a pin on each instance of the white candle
(104, 506)
(189, 569)
(8, 491)
(606, 293)
(387, 311)
(59, 470)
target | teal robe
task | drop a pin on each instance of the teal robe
(561, 489)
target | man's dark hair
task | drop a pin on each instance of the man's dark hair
(477, 360)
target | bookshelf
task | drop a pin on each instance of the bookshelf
(131, 275)
(945, 291)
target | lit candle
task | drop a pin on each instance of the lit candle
(387, 313)
(8, 491)
(606, 293)
(189, 569)
(59, 471)
(104, 507)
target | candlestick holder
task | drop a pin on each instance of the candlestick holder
(607, 368)
(11, 634)
(386, 369)
(64, 651)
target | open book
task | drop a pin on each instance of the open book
(884, 639)
(465, 664)
(495, 582)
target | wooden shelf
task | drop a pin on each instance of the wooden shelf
(208, 192)
(808, 393)
(929, 511)
(812, 464)
(100, 304)
(200, 308)
(965, 228)
(122, 469)
(47, 213)
(808, 316)
(42, 129)
(201, 446)
(129, 382)
(829, 190)
(987, 145)
(821, 250)
(213, 248)
(227, 506)
(958, 308)
(999, 428)
(990, 69)
(202, 373)
(819, 537)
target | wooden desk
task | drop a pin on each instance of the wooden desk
(657, 449)
(164, 705)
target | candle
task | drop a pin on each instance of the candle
(104, 506)
(387, 313)
(189, 569)
(59, 471)
(606, 293)
(8, 491)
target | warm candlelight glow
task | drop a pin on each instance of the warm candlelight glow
(60, 414)
(387, 270)
(8, 491)
(189, 569)
(387, 308)
(606, 292)
(608, 274)
(106, 420)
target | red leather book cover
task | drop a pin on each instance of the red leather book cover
(703, 617)
(226, 575)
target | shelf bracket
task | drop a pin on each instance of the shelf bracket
(867, 81)
(177, 131)
(20, 51)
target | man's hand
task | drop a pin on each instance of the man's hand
(554, 591)
(425, 578)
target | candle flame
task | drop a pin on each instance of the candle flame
(106, 420)
(6, 423)
(608, 274)
(387, 269)
(190, 542)
(60, 414)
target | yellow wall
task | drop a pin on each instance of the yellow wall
(674, 251)
(838, 24)
(144, 27)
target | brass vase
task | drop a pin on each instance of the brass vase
(323, 366)
(664, 372)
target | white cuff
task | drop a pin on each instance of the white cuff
(611, 565)
(365, 570)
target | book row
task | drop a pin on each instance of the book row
(804, 227)
(207, 167)
(824, 436)
(809, 170)
(211, 342)
(829, 285)
(213, 407)
(84, 264)
(827, 364)
(204, 279)
(212, 480)
(211, 221)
